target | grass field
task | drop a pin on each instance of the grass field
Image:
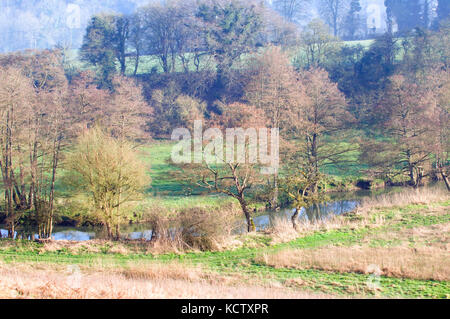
(393, 247)
(157, 157)
(150, 63)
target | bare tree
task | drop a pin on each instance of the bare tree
(278, 31)
(169, 29)
(274, 89)
(14, 94)
(33, 108)
(234, 180)
(409, 114)
(333, 12)
(438, 85)
(319, 124)
(109, 170)
(292, 10)
(123, 112)
(229, 176)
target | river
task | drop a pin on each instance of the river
(339, 203)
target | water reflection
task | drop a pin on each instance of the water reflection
(73, 235)
(147, 235)
(312, 214)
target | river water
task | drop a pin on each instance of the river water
(338, 204)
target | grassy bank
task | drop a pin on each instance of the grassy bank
(395, 246)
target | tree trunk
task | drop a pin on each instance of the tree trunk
(250, 224)
(136, 63)
(11, 230)
(445, 178)
(165, 64)
(55, 161)
(10, 212)
(109, 230)
(122, 59)
(117, 236)
(273, 201)
(275, 192)
(412, 179)
(419, 177)
(294, 218)
(123, 67)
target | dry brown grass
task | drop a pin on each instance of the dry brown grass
(402, 262)
(158, 270)
(139, 281)
(424, 195)
(430, 259)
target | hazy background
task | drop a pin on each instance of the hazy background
(37, 24)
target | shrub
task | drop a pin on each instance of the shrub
(193, 228)
(201, 229)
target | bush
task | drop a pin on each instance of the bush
(160, 227)
(193, 228)
(201, 229)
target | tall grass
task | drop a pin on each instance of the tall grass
(426, 263)
(424, 195)
(135, 282)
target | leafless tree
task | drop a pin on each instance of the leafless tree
(333, 12)
(292, 10)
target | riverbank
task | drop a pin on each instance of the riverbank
(228, 211)
(168, 195)
(392, 246)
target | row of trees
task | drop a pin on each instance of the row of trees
(214, 36)
(330, 90)
(208, 35)
(182, 35)
(348, 19)
(317, 130)
(397, 106)
(396, 91)
(42, 115)
(416, 13)
(31, 136)
(209, 41)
